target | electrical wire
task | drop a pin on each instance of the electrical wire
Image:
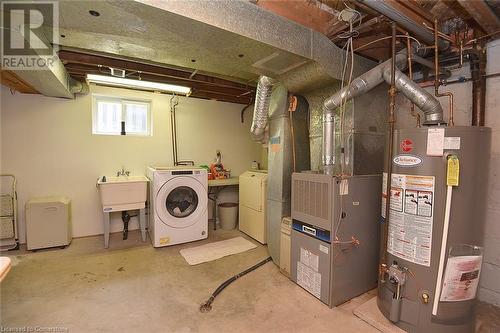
(348, 61)
(388, 37)
(292, 134)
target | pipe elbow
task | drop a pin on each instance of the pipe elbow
(424, 100)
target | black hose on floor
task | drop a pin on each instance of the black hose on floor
(207, 306)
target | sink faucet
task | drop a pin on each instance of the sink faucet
(122, 172)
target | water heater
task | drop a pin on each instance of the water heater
(431, 253)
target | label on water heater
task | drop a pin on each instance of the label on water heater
(461, 278)
(404, 160)
(410, 217)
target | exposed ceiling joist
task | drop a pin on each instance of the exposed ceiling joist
(203, 86)
(92, 59)
(482, 14)
(11, 80)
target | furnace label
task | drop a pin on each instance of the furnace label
(410, 218)
(308, 276)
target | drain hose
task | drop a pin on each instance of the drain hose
(207, 306)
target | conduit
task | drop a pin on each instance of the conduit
(261, 109)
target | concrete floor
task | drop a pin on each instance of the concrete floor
(132, 287)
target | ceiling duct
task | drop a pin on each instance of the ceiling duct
(236, 40)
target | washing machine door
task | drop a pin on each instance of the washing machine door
(180, 202)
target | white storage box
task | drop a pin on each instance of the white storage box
(48, 222)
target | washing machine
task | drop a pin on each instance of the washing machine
(177, 205)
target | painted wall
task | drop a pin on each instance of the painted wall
(490, 276)
(48, 144)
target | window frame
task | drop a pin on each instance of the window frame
(122, 100)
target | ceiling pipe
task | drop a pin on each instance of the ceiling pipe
(405, 22)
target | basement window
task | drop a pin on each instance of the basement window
(108, 113)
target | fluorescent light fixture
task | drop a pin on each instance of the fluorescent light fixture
(138, 84)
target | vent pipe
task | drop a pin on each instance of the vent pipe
(419, 96)
(429, 105)
(261, 109)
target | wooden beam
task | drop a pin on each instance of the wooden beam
(81, 69)
(415, 7)
(11, 80)
(308, 13)
(482, 14)
(410, 11)
(92, 59)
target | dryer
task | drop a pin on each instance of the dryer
(177, 205)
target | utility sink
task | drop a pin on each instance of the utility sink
(123, 192)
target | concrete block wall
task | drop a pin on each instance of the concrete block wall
(490, 276)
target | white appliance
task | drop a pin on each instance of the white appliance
(177, 205)
(48, 222)
(253, 188)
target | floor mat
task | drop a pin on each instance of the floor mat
(370, 313)
(213, 251)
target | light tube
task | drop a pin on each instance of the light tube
(139, 84)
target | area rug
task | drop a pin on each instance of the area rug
(213, 251)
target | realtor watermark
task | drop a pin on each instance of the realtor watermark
(29, 29)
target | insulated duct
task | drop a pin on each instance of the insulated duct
(261, 109)
(363, 84)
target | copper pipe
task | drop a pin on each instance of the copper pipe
(410, 75)
(436, 75)
(390, 148)
(478, 71)
(440, 34)
(461, 53)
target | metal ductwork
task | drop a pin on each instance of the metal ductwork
(424, 100)
(359, 86)
(363, 84)
(424, 34)
(78, 87)
(261, 108)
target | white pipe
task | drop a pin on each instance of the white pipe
(444, 240)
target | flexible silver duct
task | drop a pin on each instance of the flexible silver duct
(261, 109)
(363, 84)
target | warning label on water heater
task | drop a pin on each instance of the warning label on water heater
(461, 278)
(410, 217)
